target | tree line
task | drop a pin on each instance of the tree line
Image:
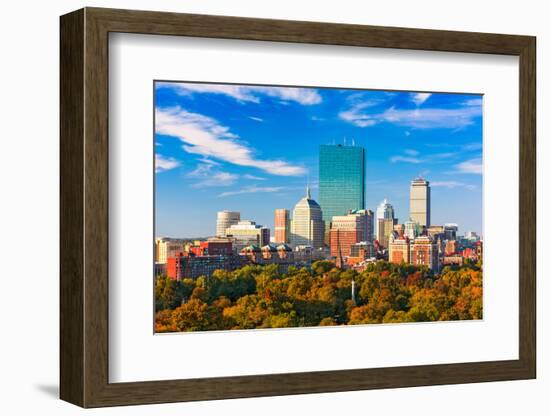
(257, 296)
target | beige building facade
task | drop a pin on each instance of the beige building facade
(420, 200)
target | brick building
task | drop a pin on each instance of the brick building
(424, 251)
(399, 250)
(282, 226)
(212, 247)
(346, 230)
(192, 267)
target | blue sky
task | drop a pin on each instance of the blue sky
(254, 148)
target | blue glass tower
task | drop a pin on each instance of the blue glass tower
(341, 180)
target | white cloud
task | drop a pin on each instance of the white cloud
(407, 133)
(413, 156)
(258, 119)
(163, 164)
(420, 97)
(452, 185)
(430, 118)
(355, 116)
(207, 161)
(252, 190)
(253, 177)
(357, 113)
(304, 96)
(474, 166)
(474, 102)
(244, 93)
(204, 136)
(217, 179)
(441, 156)
(405, 159)
(419, 118)
(208, 177)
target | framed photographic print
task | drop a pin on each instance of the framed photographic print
(255, 207)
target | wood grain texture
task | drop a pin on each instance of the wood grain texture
(527, 208)
(84, 207)
(71, 208)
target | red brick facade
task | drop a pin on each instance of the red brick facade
(343, 240)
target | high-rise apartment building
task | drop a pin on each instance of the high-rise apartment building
(307, 226)
(282, 226)
(420, 200)
(341, 180)
(226, 219)
(345, 231)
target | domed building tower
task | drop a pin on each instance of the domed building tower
(307, 227)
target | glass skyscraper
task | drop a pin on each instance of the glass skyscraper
(341, 180)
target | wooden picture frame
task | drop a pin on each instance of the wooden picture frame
(84, 207)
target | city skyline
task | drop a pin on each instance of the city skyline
(254, 149)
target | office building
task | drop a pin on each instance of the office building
(437, 232)
(307, 226)
(420, 200)
(282, 226)
(384, 211)
(246, 233)
(341, 180)
(226, 219)
(385, 229)
(450, 231)
(369, 223)
(424, 252)
(345, 231)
